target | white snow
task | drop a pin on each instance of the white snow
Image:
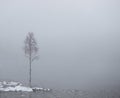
(21, 88)
(18, 88)
(37, 88)
(14, 86)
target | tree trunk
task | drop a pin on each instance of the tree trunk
(30, 62)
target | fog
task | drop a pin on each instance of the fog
(79, 42)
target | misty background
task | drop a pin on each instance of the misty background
(79, 42)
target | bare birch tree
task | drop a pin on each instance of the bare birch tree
(31, 50)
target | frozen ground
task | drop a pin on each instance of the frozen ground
(62, 94)
(17, 90)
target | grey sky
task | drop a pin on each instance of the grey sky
(79, 41)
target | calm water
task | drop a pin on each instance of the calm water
(62, 94)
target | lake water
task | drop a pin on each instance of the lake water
(62, 94)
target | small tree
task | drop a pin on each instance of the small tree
(31, 50)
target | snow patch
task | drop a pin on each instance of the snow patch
(14, 86)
